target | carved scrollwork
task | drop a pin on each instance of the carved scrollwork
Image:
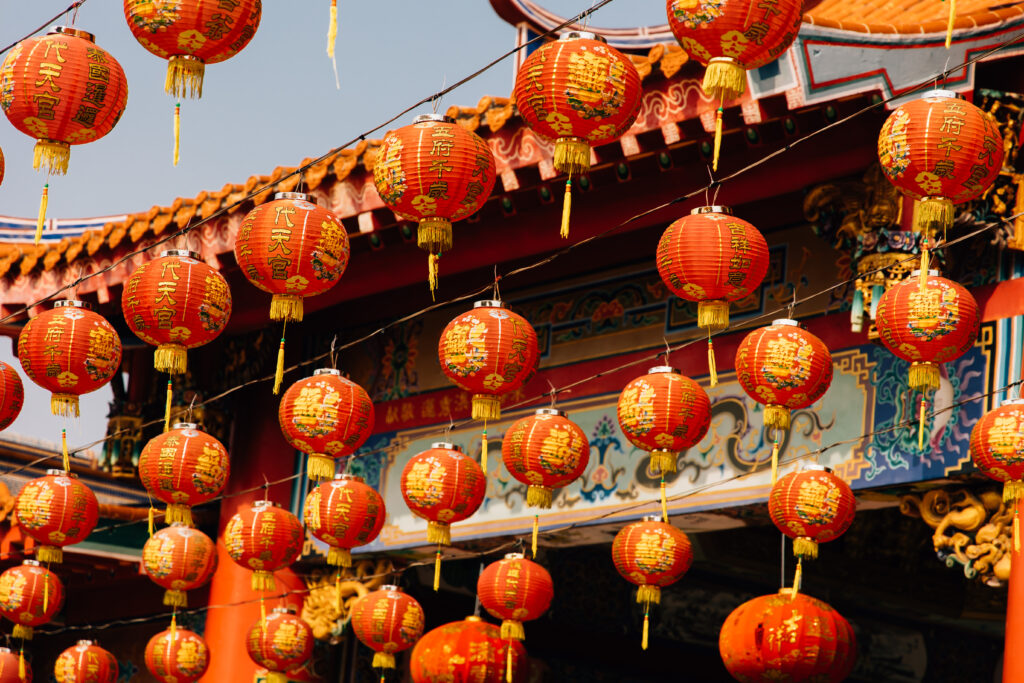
(328, 606)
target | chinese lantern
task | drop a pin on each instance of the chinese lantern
(787, 637)
(12, 395)
(811, 506)
(997, 447)
(467, 651)
(664, 412)
(545, 451)
(784, 367)
(293, 249)
(179, 559)
(177, 656)
(263, 537)
(184, 467)
(514, 590)
(713, 258)
(731, 38)
(326, 416)
(14, 669)
(176, 302)
(86, 662)
(344, 514)
(651, 553)
(579, 92)
(69, 350)
(434, 172)
(56, 511)
(387, 621)
(30, 596)
(280, 642)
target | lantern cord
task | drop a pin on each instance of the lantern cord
(167, 407)
(647, 624)
(46, 588)
(718, 134)
(263, 609)
(668, 351)
(177, 131)
(775, 459)
(924, 263)
(664, 500)
(433, 268)
(44, 201)
(712, 366)
(279, 372)
(64, 449)
(536, 533)
(566, 208)
(949, 26)
(437, 569)
(497, 279)
(334, 355)
(191, 405)
(332, 39)
(174, 624)
(921, 423)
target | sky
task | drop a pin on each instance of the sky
(273, 104)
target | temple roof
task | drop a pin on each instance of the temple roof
(909, 16)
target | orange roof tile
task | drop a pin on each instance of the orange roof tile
(909, 16)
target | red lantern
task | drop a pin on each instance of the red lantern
(434, 172)
(387, 621)
(927, 325)
(177, 656)
(467, 651)
(787, 637)
(941, 150)
(442, 485)
(29, 596)
(86, 662)
(14, 668)
(326, 416)
(184, 467)
(12, 395)
(515, 589)
(344, 514)
(280, 642)
(56, 511)
(664, 412)
(179, 559)
(579, 92)
(176, 302)
(997, 447)
(545, 451)
(264, 538)
(69, 351)
(811, 507)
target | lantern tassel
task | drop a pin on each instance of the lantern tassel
(44, 201)
(1013, 491)
(167, 405)
(712, 366)
(263, 610)
(184, 77)
(51, 155)
(664, 502)
(512, 629)
(177, 131)
(332, 39)
(798, 578)
(1016, 532)
(437, 570)
(320, 467)
(49, 553)
(433, 268)
(174, 626)
(566, 208)
(804, 546)
(46, 591)
(647, 626)
(22, 632)
(439, 533)
(483, 450)
(177, 512)
(340, 605)
(22, 673)
(648, 593)
(262, 581)
(718, 138)
(775, 460)
(152, 519)
(64, 450)
(920, 426)
(279, 370)
(536, 532)
(383, 660)
(508, 664)
(925, 259)
(174, 598)
(339, 557)
(64, 405)
(949, 26)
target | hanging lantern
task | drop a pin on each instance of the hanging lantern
(56, 511)
(86, 662)
(265, 538)
(787, 637)
(434, 172)
(30, 596)
(442, 485)
(515, 590)
(344, 514)
(811, 506)
(280, 642)
(387, 621)
(326, 416)
(467, 651)
(69, 351)
(997, 447)
(184, 467)
(940, 150)
(14, 668)
(664, 412)
(12, 395)
(179, 559)
(176, 302)
(581, 93)
(177, 656)
(545, 451)
(731, 38)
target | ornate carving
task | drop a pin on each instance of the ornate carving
(327, 608)
(973, 529)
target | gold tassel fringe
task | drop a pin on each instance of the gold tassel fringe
(483, 451)
(572, 155)
(275, 677)
(920, 425)
(437, 570)
(49, 554)
(539, 497)
(383, 660)
(434, 234)
(44, 201)
(46, 593)
(805, 547)
(1013, 491)
(713, 315)
(151, 519)
(536, 533)
(64, 450)
(51, 155)
(439, 533)
(1016, 532)
(262, 581)
(22, 669)
(332, 29)
(508, 664)
(724, 79)
(176, 512)
(22, 632)
(167, 405)
(647, 594)
(512, 630)
(171, 358)
(712, 366)
(664, 502)
(320, 467)
(64, 405)
(286, 307)
(486, 407)
(433, 271)
(566, 208)
(647, 628)
(798, 577)
(775, 461)
(663, 462)
(279, 369)
(776, 417)
(923, 274)
(924, 377)
(174, 598)
(933, 214)
(718, 139)
(184, 77)
(949, 26)
(177, 132)
(339, 557)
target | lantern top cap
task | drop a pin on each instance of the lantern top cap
(57, 472)
(659, 369)
(789, 592)
(185, 425)
(786, 321)
(440, 118)
(550, 411)
(345, 476)
(183, 253)
(31, 563)
(817, 468)
(580, 35)
(5, 650)
(711, 209)
(283, 610)
(327, 371)
(446, 446)
(1013, 402)
(260, 504)
(473, 618)
(69, 31)
(298, 196)
(86, 643)
(941, 93)
(651, 518)
(72, 303)
(390, 588)
(917, 273)
(515, 556)
(488, 303)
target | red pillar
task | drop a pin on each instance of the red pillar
(1013, 653)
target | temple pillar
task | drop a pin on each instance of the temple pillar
(1013, 653)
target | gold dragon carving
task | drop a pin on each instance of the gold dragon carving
(328, 606)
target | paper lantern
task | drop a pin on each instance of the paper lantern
(86, 662)
(940, 150)
(545, 451)
(515, 589)
(664, 413)
(997, 447)
(387, 621)
(56, 511)
(184, 467)
(264, 538)
(787, 637)
(281, 642)
(12, 395)
(927, 325)
(442, 485)
(811, 506)
(344, 514)
(177, 656)
(326, 416)
(69, 351)
(467, 651)
(579, 92)
(179, 559)
(176, 302)
(30, 596)
(434, 172)
(14, 668)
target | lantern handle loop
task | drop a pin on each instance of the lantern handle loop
(266, 488)
(554, 394)
(668, 351)
(191, 405)
(497, 279)
(436, 99)
(792, 304)
(449, 428)
(334, 355)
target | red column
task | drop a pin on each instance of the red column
(1013, 653)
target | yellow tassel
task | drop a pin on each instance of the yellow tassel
(51, 155)
(949, 27)
(44, 201)
(279, 372)
(536, 532)
(437, 570)
(64, 405)
(383, 660)
(286, 307)
(64, 449)
(167, 406)
(174, 598)
(49, 553)
(647, 626)
(566, 208)
(664, 502)
(924, 266)
(152, 518)
(1016, 532)
(712, 366)
(648, 593)
(332, 29)
(539, 497)
(22, 673)
(508, 664)
(486, 407)
(339, 557)
(432, 271)
(718, 139)
(263, 610)
(920, 427)
(320, 467)
(174, 626)
(177, 512)
(798, 578)
(775, 461)
(177, 131)
(340, 605)
(439, 533)
(262, 581)
(483, 450)
(804, 546)
(184, 76)
(46, 592)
